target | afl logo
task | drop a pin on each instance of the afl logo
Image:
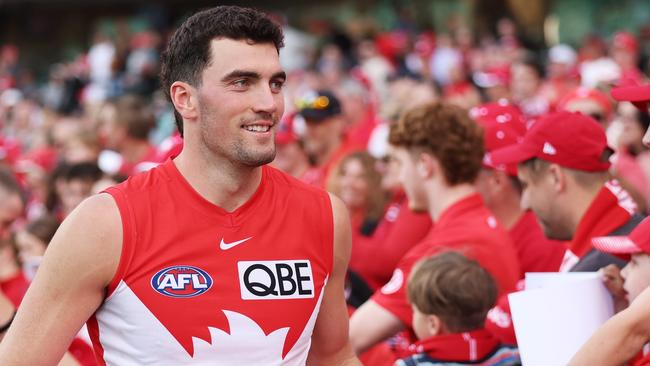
(181, 281)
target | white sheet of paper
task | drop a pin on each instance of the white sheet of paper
(547, 279)
(551, 323)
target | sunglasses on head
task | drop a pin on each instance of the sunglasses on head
(320, 102)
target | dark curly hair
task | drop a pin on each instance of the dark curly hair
(448, 133)
(188, 51)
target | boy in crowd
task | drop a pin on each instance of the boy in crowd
(627, 332)
(626, 286)
(448, 323)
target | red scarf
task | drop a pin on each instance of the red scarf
(611, 209)
(467, 346)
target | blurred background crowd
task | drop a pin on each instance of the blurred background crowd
(81, 109)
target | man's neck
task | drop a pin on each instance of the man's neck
(326, 157)
(579, 204)
(507, 211)
(220, 182)
(443, 198)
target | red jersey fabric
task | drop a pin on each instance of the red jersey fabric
(536, 253)
(322, 173)
(199, 284)
(399, 230)
(643, 358)
(611, 209)
(466, 226)
(147, 162)
(460, 347)
(360, 133)
(15, 287)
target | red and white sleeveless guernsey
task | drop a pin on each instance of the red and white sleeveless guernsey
(197, 285)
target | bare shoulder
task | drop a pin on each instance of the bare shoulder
(342, 230)
(91, 234)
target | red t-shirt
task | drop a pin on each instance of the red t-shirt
(319, 176)
(466, 226)
(643, 361)
(398, 231)
(476, 347)
(536, 253)
(359, 134)
(15, 287)
(147, 162)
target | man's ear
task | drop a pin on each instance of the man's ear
(185, 99)
(557, 176)
(427, 165)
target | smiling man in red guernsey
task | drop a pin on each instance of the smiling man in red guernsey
(212, 258)
(439, 150)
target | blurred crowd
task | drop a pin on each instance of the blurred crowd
(101, 118)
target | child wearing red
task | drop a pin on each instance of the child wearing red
(448, 323)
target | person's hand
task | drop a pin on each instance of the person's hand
(614, 283)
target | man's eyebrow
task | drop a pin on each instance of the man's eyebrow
(279, 75)
(240, 74)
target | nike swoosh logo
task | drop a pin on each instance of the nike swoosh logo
(226, 246)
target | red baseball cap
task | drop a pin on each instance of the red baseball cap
(285, 133)
(584, 93)
(503, 125)
(626, 41)
(637, 242)
(632, 91)
(569, 139)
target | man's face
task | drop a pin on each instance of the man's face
(353, 185)
(288, 156)
(411, 181)
(321, 137)
(538, 195)
(524, 82)
(646, 138)
(11, 207)
(484, 186)
(29, 246)
(240, 101)
(637, 275)
(74, 192)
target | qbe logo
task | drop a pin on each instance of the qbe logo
(276, 280)
(181, 281)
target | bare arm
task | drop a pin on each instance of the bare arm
(69, 286)
(371, 324)
(620, 338)
(330, 344)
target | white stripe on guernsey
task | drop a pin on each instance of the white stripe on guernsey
(131, 335)
(128, 332)
(472, 346)
(569, 261)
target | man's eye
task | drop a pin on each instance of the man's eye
(240, 83)
(277, 85)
